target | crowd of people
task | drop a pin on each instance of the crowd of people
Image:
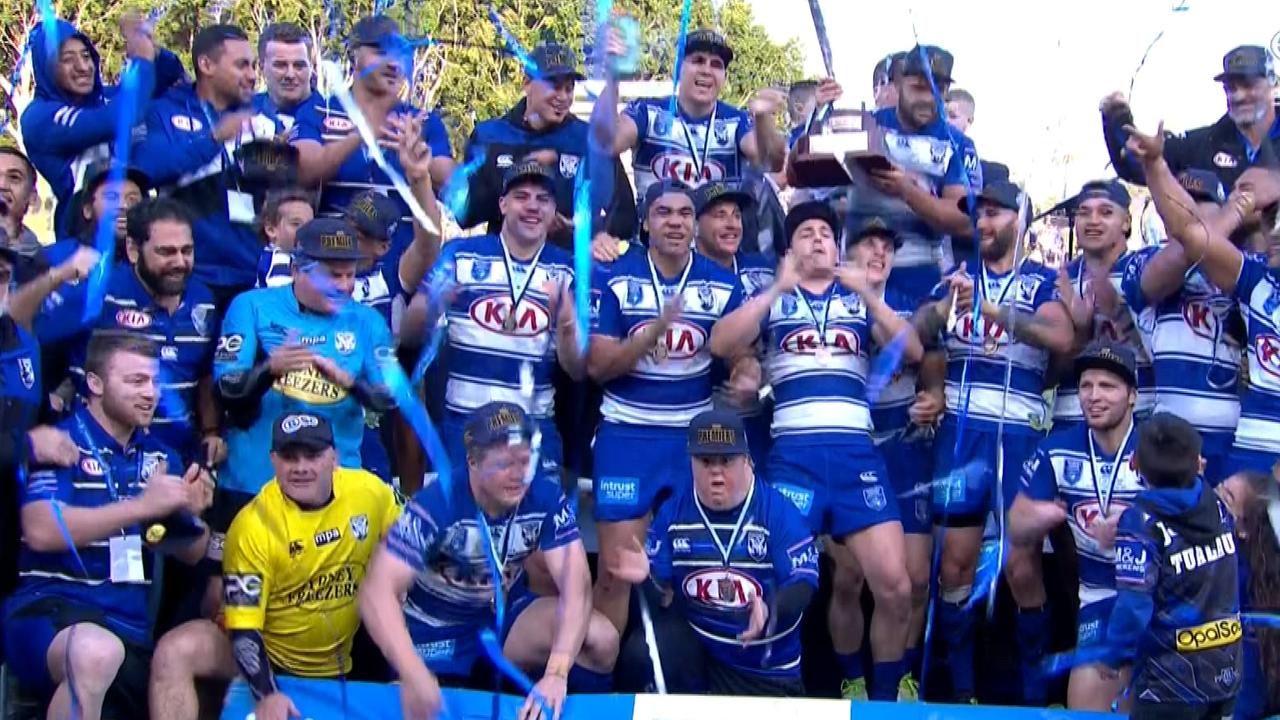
(221, 386)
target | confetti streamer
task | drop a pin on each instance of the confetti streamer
(436, 288)
(49, 25)
(675, 70)
(513, 45)
(489, 641)
(887, 362)
(416, 415)
(990, 566)
(456, 196)
(1180, 7)
(343, 94)
(651, 640)
(582, 258)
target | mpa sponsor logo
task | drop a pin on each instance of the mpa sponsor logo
(683, 339)
(490, 312)
(1267, 350)
(337, 124)
(1217, 633)
(681, 168)
(807, 557)
(133, 319)
(721, 588)
(91, 466)
(840, 341)
(324, 537)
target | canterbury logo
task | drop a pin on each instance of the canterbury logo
(1210, 635)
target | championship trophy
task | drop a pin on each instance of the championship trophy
(845, 143)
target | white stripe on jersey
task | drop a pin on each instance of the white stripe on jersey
(1258, 292)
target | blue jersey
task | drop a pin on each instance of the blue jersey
(817, 356)
(672, 385)
(263, 103)
(988, 345)
(440, 536)
(1258, 293)
(686, 149)
(1093, 485)
(772, 550)
(1123, 329)
(324, 121)
(486, 345)
(378, 287)
(259, 321)
(104, 473)
(890, 410)
(935, 156)
(186, 341)
(1195, 358)
(275, 267)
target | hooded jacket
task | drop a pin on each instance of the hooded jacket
(66, 135)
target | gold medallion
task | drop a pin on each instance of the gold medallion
(509, 323)
(660, 352)
(990, 346)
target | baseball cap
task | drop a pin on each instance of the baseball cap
(712, 193)
(99, 174)
(373, 31)
(373, 214)
(1246, 61)
(993, 171)
(556, 60)
(811, 210)
(1109, 356)
(497, 423)
(663, 187)
(940, 63)
(328, 239)
(1109, 189)
(1202, 186)
(717, 432)
(528, 170)
(877, 226)
(708, 41)
(306, 429)
(999, 192)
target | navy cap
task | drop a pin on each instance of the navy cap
(993, 171)
(940, 63)
(528, 170)
(1202, 186)
(664, 187)
(1000, 192)
(1112, 357)
(556, 60)
(373, 214)
(301, 428)
(811, 210)
(1109, 189)
(496, 423)
(99, 173)
(328, 239)
(374, 30)
(708, 41)
(712, 193)
(878, 227)
(1246, 61)
(717, 432)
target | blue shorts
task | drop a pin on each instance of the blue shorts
(636, 468)
(549, 457)
(452, 652)
(1091, 623)
(1241, 459)
(759, 437)
(1216, 450)
(910, 468)
(840, 487)
(373, 453)
(964, 483)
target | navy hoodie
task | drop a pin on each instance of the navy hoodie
(66, 135)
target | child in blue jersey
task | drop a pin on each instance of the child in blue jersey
(720, 209)
(818, 322)
(994, 378)
(707, 139)
(1085, 475)
(651, 316)
(431, 588)
(739, 561)
(283, 213)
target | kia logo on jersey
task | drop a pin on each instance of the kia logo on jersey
(133, 319)
(668, 166)
(840, 341)
(1200, 318)
(683, 339)
(990, 330)
(91, 466)
(334, 123)
(1267, 349)
(721, 588)
(490, 312)
(1089, 513)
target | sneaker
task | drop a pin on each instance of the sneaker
(908, 689)
(855, 689)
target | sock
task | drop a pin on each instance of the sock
(884, 680)
(582, 680)
(957, 626)
(1033, 627)
(851, 664)
(912, 660)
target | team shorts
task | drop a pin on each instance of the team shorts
(1241, 459)
(455, 653)
(840, 487)
(965, 483)
(1091, 623)
(636, 468)
(909, 464)
(550, 456)
(30, 630)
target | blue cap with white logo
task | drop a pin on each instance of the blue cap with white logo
(301, 429)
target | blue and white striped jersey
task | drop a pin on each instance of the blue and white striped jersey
(1258, 293)
(689, 150)
(275, 267)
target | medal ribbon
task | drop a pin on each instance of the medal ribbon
(698, 163)
(821, 325)
(1104, 500)
(518, 289)
(660, 288)
(726, 550)
(1013, 275)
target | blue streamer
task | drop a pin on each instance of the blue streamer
(1267, 620)
(675, 70)
(489, 641)
(416, 415)
(582, 258)
(1059, 663)
(513, 45)
(436, 288)
(66, 535)
(886, 363)
(49, 25)
(990, 565)
(456, 195)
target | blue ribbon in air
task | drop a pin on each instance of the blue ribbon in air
(675, 70)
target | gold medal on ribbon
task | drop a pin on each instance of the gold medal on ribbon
(660, 352)
(990, 346)
(509, 323)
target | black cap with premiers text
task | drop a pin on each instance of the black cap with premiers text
(717, 432)
(528, 171)
(1246, 61)
(717, 191)
(301, 429)
(497, 423)
(328, 239)
(1112, 357)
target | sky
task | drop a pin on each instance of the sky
(1038, 80)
